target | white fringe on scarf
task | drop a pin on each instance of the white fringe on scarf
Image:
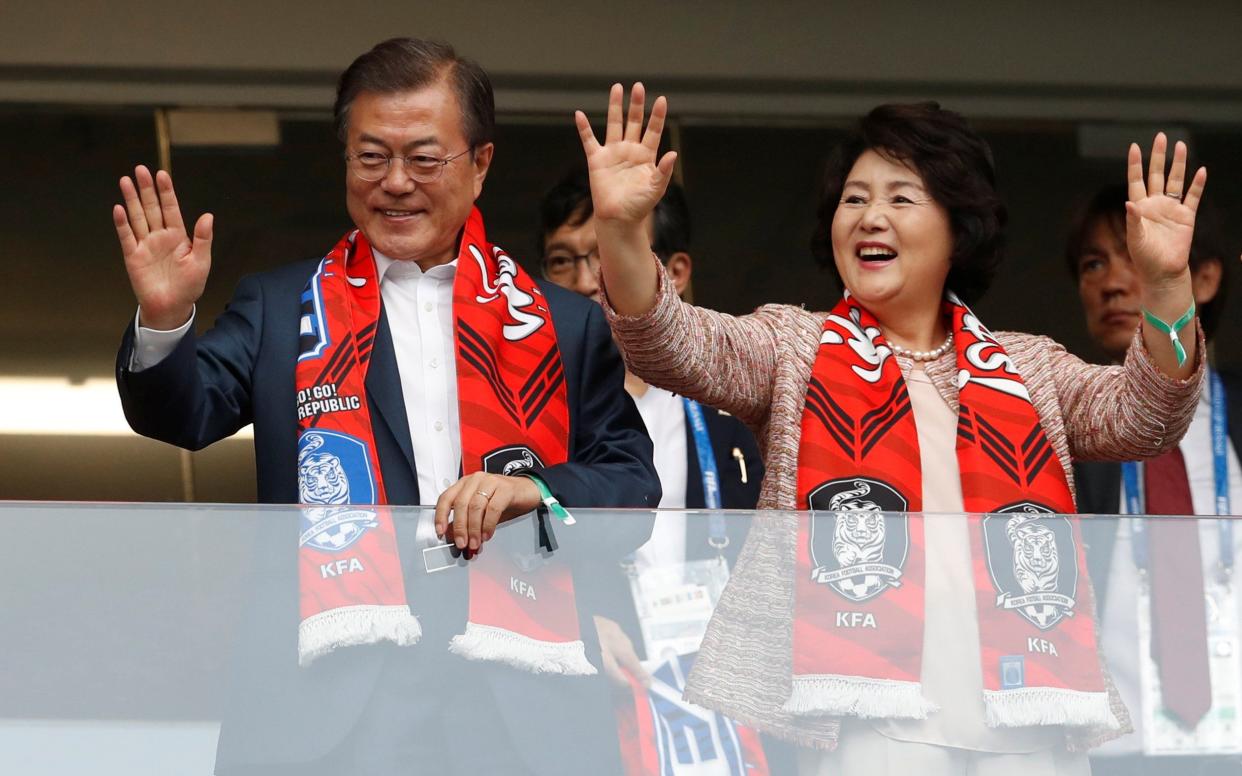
(349, 626)
(855, 696)
(1026, 706)
(487, 642)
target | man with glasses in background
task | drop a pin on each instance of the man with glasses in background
(706, 460)
(414, 352)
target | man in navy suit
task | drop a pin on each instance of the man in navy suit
(423, 118)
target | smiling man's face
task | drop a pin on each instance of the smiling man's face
(403, 219)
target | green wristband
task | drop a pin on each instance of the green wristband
(1173, 330)
(549, 501)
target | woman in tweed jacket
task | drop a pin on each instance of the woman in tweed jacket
(909, 210)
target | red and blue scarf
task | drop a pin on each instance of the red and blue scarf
(662, 734)
(514, 417)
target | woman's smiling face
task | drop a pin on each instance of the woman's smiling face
(890, 240)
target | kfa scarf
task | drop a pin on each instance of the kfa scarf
(514, 417)
(859, 591)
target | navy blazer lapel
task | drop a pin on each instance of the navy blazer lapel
(384, 390)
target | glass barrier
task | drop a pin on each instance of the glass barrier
(192, 639)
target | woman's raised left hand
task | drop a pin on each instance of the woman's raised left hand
(1160, 214)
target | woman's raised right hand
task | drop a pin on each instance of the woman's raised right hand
(626, 179)
(166, 269)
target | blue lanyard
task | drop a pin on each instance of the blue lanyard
(707, 470)
(1220, 442)
(1220, 465)
(717, 537)
(1132, 477)
(1132, 491)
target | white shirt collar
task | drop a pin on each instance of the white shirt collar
(411, 269)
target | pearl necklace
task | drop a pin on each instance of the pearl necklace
(923, 355)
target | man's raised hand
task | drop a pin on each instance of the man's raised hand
(167, 269)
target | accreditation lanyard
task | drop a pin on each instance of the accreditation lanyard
(708, 471)
(1132, 478)
(710, 476)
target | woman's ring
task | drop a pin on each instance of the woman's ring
(483, 493)
(1178, 197)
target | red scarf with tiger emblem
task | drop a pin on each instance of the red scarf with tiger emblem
(859, 588)
(514, 417)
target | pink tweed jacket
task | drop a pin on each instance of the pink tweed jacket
(757, 367)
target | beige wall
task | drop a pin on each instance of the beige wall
(1071, 60)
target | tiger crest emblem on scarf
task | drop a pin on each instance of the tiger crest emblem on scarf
(1032, 559)
(858, 547)
(334, 472)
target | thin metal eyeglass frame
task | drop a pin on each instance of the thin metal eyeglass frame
(405, 161)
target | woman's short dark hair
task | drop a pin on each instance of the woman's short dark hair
(956, 166)
(404, 64)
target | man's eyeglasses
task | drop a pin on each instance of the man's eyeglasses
(561, 266)
(422, 168)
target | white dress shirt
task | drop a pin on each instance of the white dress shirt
(664, 415)
(1120, 627)
(419, 309)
